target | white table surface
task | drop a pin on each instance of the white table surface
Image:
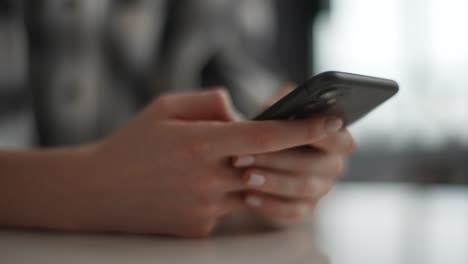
(357, 223)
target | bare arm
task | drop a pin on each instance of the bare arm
(43, 188)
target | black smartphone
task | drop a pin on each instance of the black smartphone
(349, 96)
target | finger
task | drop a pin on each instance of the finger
(214, 104)
(233, 203)
(253, 137)
(294, 161)
(287, 185)
(341, 143)
(228, 181)
(272, 208)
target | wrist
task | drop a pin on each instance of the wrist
(81, 185)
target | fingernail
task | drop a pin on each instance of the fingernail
(253, 201)
(244, 161)
(333, 125)
(256, 180)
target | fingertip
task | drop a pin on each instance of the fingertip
(349, 144)
(352, 147)
(333, 125)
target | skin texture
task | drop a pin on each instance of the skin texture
(175, 170)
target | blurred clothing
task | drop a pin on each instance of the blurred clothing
(90, 65)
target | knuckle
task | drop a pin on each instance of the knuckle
(297, 188)
(197, 148)
(307, 188)
(261, 139)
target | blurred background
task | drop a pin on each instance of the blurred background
(422, 134)
(72, 71)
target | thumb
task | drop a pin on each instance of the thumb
(214, 104)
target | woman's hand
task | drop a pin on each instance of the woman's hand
(169, 171)
(285, 186)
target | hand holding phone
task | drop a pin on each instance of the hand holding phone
(349, 96)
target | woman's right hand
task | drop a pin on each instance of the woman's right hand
(168, 171)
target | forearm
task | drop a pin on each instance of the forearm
(39, 188)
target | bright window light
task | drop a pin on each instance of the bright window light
(422, 44)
